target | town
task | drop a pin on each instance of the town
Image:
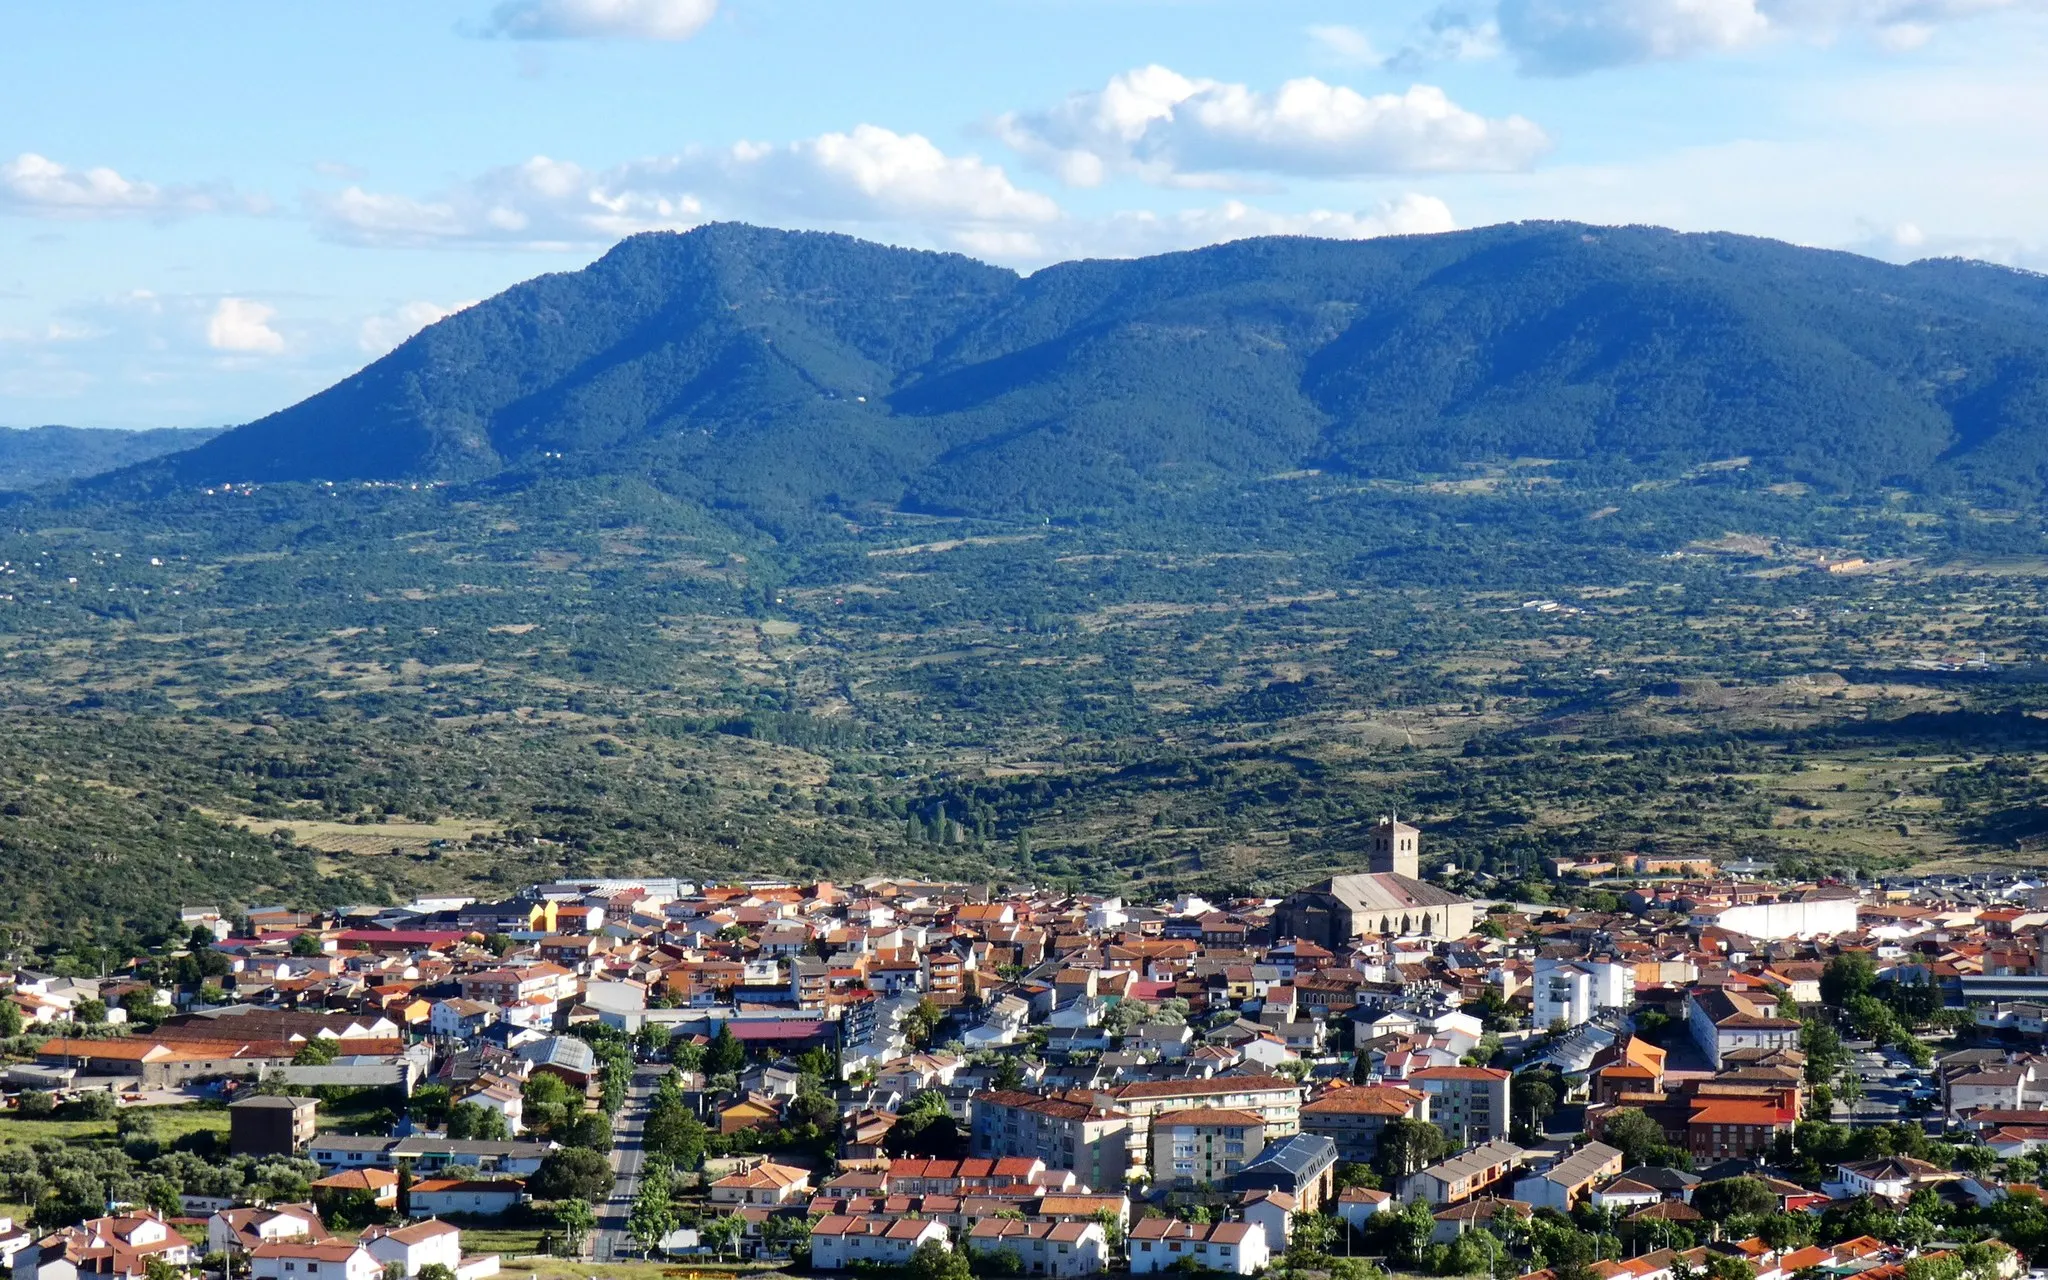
(1667, 1073)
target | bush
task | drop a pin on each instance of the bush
(96, 1105)
(37, 1105)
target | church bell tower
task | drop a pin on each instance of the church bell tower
(1396, 847)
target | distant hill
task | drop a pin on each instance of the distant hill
(34, 456)
(764, 369)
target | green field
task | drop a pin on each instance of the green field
(172, 1123)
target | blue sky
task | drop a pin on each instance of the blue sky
(208, 211)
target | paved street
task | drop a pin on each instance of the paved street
(611, 1240)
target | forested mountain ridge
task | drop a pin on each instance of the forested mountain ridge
(33, 456)
(769, 370)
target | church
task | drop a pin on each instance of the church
(1389, 901)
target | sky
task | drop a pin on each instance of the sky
(209, 211)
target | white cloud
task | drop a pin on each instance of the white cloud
(868, 175)
(241, 326)
(1346, 45)
(1166, 128)
(601, 19)
(37, 185)
(380, 333)
(1567, 37)
(1140, 232)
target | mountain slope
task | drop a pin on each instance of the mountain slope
(764, 369)
(35, 456)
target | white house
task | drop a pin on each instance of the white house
(1273, 1213)
(460, 1018)
(1234, 1248)
(1572, 991)
(1046, 1248)
(1893, 1177)
(1356, 1205)
(310, 1260)
(839, 1240)
(437, 1196)
(502, 1095)
(233, 1231)
(416, 1246)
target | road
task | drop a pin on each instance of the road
(611, 1241)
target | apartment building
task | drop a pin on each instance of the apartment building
(1470, 1104)
(1203, 1146)
(1075, 1133)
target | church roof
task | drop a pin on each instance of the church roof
(1385, 891)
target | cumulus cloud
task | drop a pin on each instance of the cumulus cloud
(601, 19)
(242, 327)
(1166, 128)
(867, 175)
(1142, 232)
(1568, 37)
(37, 185)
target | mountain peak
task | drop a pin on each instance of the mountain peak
(763, 368)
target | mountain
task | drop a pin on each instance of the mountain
(766, 369)
(34, 456)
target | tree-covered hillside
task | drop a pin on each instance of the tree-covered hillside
(34, 456)
(771, 371)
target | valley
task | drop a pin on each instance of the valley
(378, 691)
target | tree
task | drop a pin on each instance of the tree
(576, 1219)
(1729, 1197)
(925, 1127)
(573, 1173)
(319, 1051)
(726, 1055)
(1846, 976)
(1408, 1144)
(922, 1022)
(1640, 1140)
(548, 1102)
(592, 1129)
(469, 1120)
(1533, 1101)
(933, 1260)
(436, 1271)
(307, 944)
(653, 1215)
(813, 1106)
(726, 1229)
(787, 1234)
(10, 1019)
(89, 1012)
(675, 1132)
(652, 1040)
(1822, 1045)
(141, 1006)
(36, 1104)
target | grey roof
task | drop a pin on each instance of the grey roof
(1384, 891)
(271, 1102)
(432, 1144)
(354, 1142)
(1580, 1165)
(565, 1052)
(1657, 1176)
(1301, 1156)
(1477, 1160)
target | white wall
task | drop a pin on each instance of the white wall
(1768, 920)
